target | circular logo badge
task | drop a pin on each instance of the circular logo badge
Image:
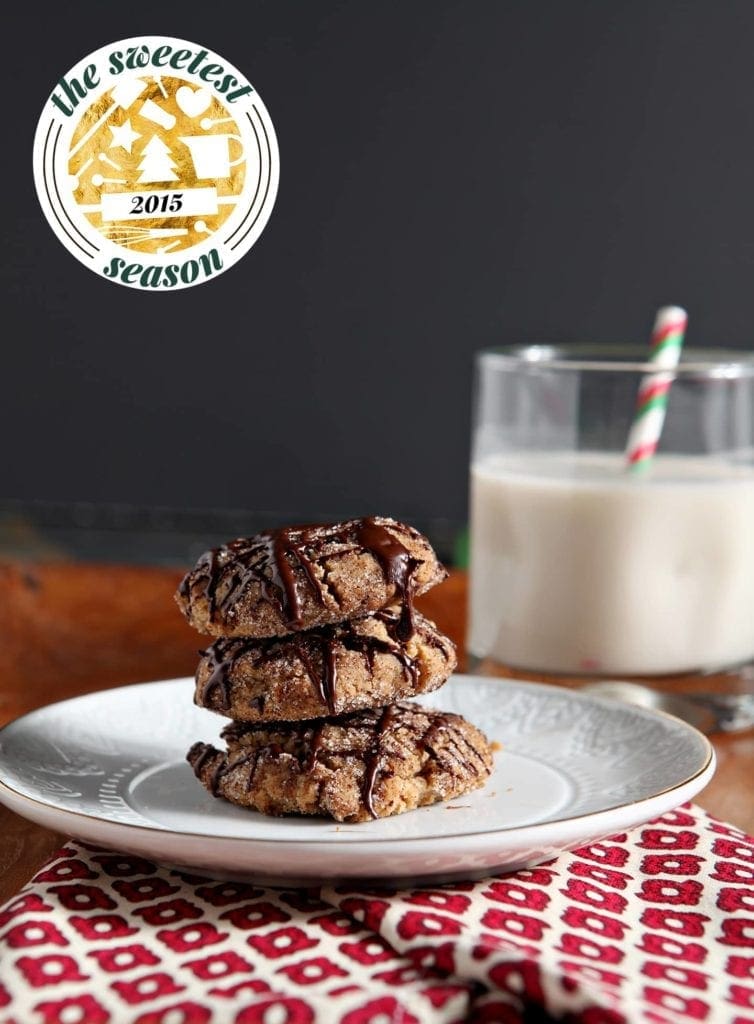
(156, 163)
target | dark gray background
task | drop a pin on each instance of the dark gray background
(455, 174)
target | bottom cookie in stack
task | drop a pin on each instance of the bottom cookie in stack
(368, 764)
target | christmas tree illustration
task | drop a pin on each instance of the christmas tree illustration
(156, 162)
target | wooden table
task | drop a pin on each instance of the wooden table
(67, 629)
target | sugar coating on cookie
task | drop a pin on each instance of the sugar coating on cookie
(369, 764)
(299, 578)
(328, 671)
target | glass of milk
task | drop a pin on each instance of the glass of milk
(581, 568)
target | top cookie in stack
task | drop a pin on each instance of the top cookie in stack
(316, 620)
(302, 577)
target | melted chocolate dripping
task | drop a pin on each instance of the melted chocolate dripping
(271, 558)
(205, 568)
(322, 671)
(457, 756)
(368, 646)
(327, 639)
(317, 741)
(390, 716)
(393, 624)
(324, 678)
(280, 549)
(203, 752)
(465, 760)
(226, 766)
(397, 567)
(222, 655)
(252, 757)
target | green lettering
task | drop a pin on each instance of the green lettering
(233, 96)
(210, 71)
(116, 62)
(138, 57)
(194, 65)
(205, 261)
(226, 83)
(114, 269)
(151, 278)
(179, 58)
(91, 78)
(164, 277)
(60, 105)
(189, 271)
(159, 53)
(131, 272)
(74, 91)
(171, 273)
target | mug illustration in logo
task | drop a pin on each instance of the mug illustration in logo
(211, 154)
(156, 163)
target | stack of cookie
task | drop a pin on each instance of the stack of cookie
(318, 645)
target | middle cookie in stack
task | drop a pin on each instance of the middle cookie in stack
(344, 667)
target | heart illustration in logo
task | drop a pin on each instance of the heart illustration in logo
(192, 102)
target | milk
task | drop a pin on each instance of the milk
(578, 567)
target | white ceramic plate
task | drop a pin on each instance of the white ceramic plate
(110, 768)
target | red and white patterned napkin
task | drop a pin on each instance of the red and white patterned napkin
(656, 925)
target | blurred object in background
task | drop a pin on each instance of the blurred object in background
(84, 531)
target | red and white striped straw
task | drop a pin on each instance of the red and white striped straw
(652, 400)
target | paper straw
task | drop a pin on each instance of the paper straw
(652, 400)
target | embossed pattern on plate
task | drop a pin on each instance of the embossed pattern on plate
(110, 767)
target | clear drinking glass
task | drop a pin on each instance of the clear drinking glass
(581, 568)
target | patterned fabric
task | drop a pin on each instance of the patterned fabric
(656, 925)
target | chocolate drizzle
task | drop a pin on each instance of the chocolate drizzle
(373, 762)
(397, 568)
(316, 745)
(328, 639)
(317, 650)
(285, 561)
(452, 757)
(206, 567)
(391, 716)
(456, 756)
(198, 756)
(221, 656)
